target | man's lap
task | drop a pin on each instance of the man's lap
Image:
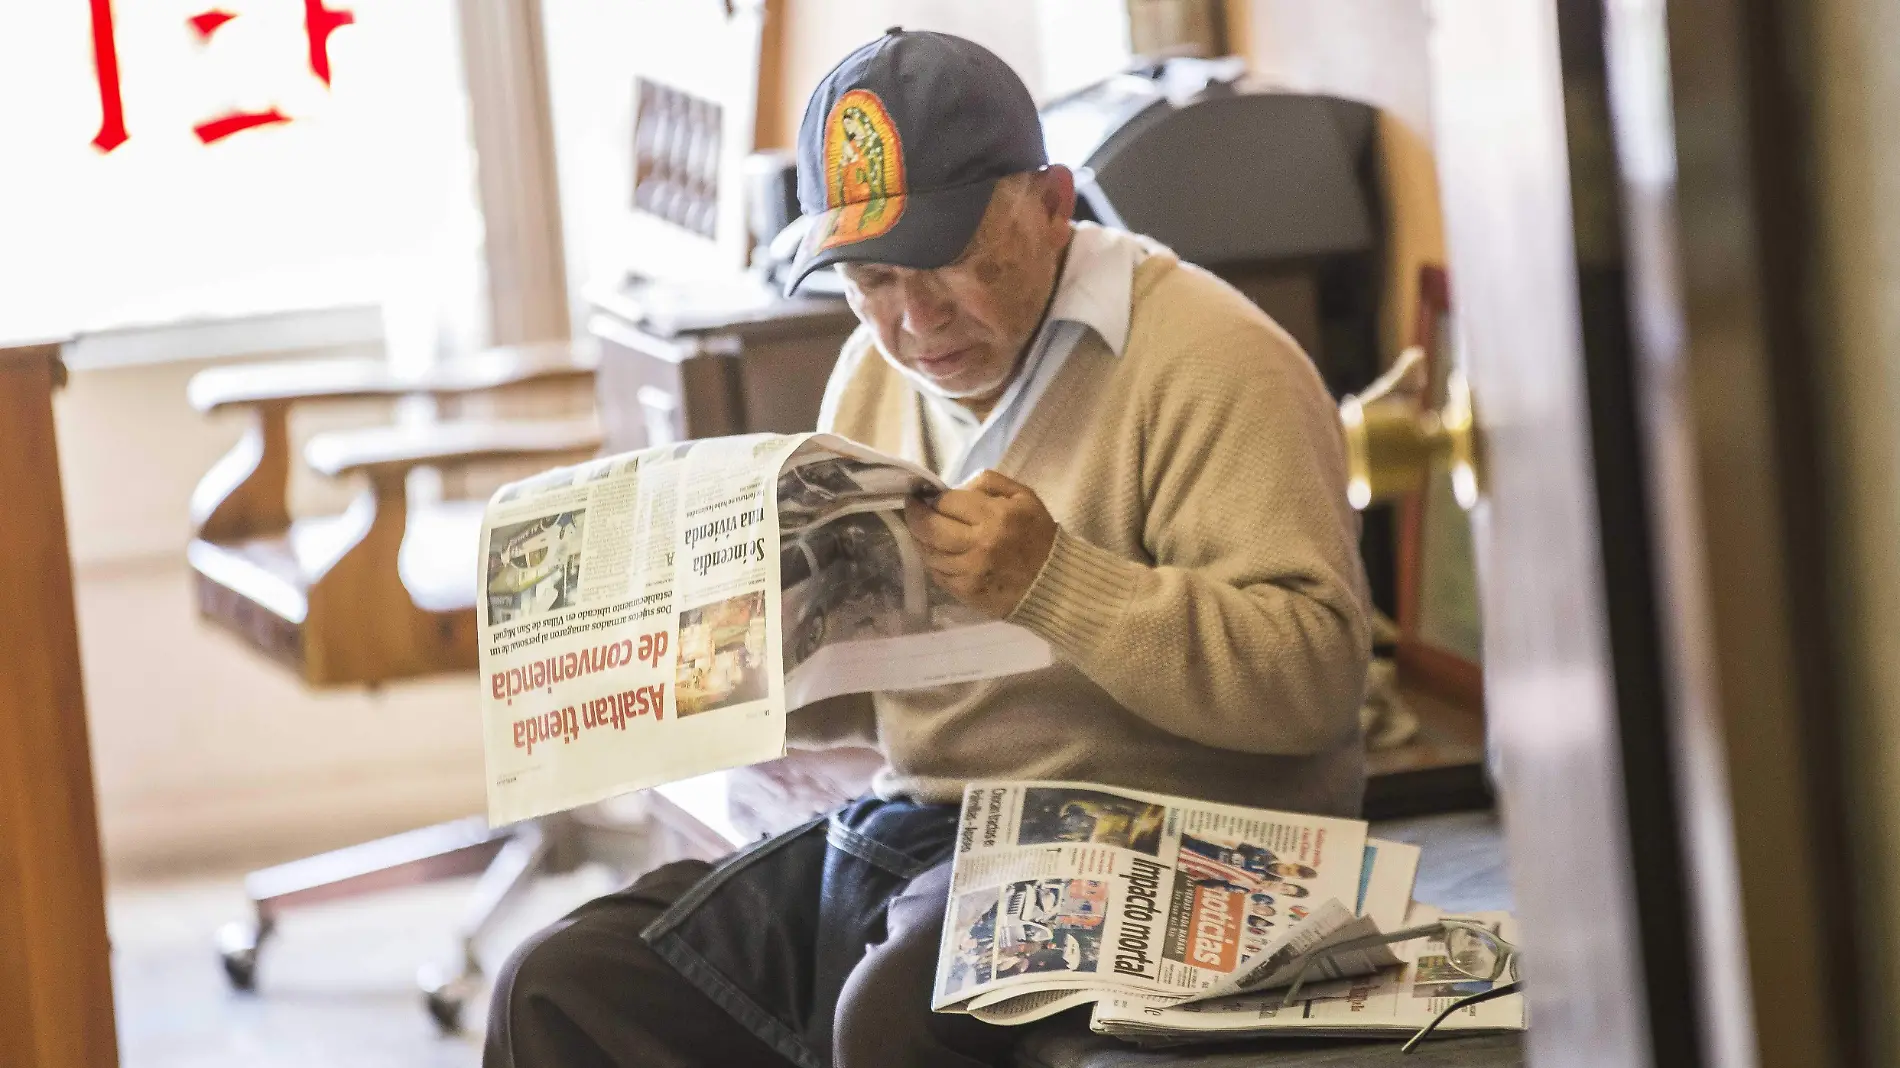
(588, 991)
(834, 925)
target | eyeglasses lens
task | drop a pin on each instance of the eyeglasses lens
(1475, 953)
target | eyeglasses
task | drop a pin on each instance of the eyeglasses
(1472, 949)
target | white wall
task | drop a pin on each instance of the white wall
(819, 33)
(1370, 50)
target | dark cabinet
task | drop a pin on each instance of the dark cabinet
(695, 360)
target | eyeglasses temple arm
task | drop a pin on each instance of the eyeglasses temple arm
(1462, 1003)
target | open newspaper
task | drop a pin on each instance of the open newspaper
(1069, 893)
(653, 616)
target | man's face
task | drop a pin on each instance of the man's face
(960, 329)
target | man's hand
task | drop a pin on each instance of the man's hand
(985, 541)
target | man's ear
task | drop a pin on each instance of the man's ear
(1056, 183)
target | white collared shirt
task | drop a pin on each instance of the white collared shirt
(1095, 292)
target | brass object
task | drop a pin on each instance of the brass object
(1393, 439)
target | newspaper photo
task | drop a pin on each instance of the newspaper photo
(653, 616)
(1062, 893)
(1394, 1001)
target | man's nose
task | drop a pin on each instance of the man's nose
(927, 307)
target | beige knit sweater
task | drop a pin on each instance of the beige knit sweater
(1205, 597)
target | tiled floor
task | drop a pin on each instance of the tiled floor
(337, 986)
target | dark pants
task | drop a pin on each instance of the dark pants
(818, 948)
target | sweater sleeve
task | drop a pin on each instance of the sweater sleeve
(1249, 631)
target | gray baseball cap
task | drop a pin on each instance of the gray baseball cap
(901, 146)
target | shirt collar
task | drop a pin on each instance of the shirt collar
(1097, 286)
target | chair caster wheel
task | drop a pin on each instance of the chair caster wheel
(240, 969)
(446, 1010)
(238, 944)
(447, 997)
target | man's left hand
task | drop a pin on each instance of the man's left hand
(985, 541)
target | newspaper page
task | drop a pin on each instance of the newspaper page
(653, 616)
(1063, 891)
(1394, 1001)
(859, 609)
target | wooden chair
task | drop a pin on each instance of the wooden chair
(383, 591)
(336, 598)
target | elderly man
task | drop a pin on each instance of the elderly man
(1149, 477)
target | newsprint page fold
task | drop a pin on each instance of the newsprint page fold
(653, 616)
(1392, 1001)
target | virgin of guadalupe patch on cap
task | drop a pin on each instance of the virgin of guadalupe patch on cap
(864, 170)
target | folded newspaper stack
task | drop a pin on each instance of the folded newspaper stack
(1185, 921)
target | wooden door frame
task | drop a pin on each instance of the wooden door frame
(55, 971)
(1580, 655)
(1759, 346)
(1689, 150)
(1633, 483)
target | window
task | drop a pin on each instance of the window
(244, 183)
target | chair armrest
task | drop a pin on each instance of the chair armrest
(381, 451)
(295, 381)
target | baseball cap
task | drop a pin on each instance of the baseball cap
(901, 146)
